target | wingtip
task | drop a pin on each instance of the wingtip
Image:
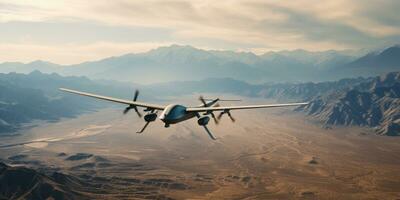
(303, 103)
(65, 89)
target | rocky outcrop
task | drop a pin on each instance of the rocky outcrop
(79, 156)
(24, 183)
(29, 184)
(307, 91)
(375, 104)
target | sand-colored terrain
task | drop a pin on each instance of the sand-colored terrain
(266, 154)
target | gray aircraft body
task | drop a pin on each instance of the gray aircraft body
(175, 113)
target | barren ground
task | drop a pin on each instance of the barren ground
(266, 154)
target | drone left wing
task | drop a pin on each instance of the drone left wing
(112, 99)
(227, 108)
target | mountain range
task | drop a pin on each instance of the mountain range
(372, 102)
(185, 63)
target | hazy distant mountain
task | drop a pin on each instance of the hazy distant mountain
(375, 103)
(319, 60)
(371, 64)
(388, 58)
(210, 85)
(35, 96)
(185, 63)
(40, 65)
(174, 63)
(24, 98)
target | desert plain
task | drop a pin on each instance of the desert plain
(265, 154)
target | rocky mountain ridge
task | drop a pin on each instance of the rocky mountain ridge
(375, 103)
(25, 183)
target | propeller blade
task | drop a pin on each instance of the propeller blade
(209, 133)
(127, 110)
(215, 119)
(136, 95)
(144, 127)
(137, 111)
(203, 101)
(220, 115)
(230, 116)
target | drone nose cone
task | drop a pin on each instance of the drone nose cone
(162, 117)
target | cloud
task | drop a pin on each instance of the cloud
(71, 53)
(260, 25)
(62, 32)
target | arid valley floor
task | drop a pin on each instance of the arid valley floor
(266, 154)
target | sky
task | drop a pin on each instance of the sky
(73, 31)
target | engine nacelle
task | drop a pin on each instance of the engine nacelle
(150, 117)
(203, 120)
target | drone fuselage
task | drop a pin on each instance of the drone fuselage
(175, 113)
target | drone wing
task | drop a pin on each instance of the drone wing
(227, 108)
(112, 99)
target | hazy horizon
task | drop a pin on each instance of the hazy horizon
(354, 52)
